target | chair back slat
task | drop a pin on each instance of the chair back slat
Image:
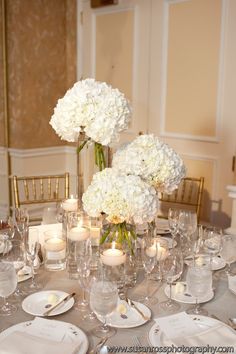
(40, 189)
(188, 195)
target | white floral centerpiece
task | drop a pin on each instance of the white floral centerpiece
(123, 198)
(151, 159)
(93, 108)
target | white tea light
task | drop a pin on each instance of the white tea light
(151, 251)
(161, 252)
(54, 244)
(78, 233)
(70, 204)
(113, 257)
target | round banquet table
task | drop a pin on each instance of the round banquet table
(222, 306)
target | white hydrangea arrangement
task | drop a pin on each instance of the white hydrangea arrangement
(123, 198)
(94, 108)
(151, 159)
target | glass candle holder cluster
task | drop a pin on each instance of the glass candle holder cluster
(78, 240)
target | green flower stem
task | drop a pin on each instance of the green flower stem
(99, 156)
(81, 146)
(124, 235)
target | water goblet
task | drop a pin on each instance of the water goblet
(228, 251)
(8, 282)
(21, 220)
(16, 256)
(103, 301)
(199, 283)
(212, 242)
(32, 246)
(172, 268)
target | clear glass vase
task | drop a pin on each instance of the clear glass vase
(91, 158)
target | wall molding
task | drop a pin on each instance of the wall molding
(55, 150)
(220, 88)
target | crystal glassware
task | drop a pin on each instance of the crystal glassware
(172, 268)
(199, 283)
(8, 282)
(103, 301)
(187, 225)
(149, 260)
(32, 246)
(228, 251)
(21, 220)
(83, 268)
(16, 256)
(173, 219)
(212, 241)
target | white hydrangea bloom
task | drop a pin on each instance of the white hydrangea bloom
(152, 160)
(120, 197)
(97, 108)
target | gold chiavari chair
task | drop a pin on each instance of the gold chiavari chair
(187, 196)
(31, 190)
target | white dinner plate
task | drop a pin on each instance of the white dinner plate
(36, 304)
(204, 259)
(24, 274)
(74, 334)
(129, 318)
(157, 336)
(180, 294)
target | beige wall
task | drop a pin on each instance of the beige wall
(41, 47)
(194, 35)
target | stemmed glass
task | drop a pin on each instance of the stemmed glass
(187, 225)
(8, 282)
(16, 256)
(7, 232)
(172, 268)
(173, 219)
(103, 301)
(212, 242)
(21, 220)
(32, 246)
(149, 260)
(199, 283)
(228, 251)
(83, 269)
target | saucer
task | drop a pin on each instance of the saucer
(24, 274)
(36, 304)
(204, 259)
(129, 317)
(180, 294)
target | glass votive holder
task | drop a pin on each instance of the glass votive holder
(54, 250)
(95, 234)
(162, 251)
(113, 259)
(78, 243)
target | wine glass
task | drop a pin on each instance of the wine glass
(228, 251)
(212, 242)
(16, 256)
(83, 269)
(173, 219)
(7, 232)
(187, 225)
(8, 282)
(172, 268)
(103, 301)
(32, 246)
(21, 220)
(149, 260)
(199, 283)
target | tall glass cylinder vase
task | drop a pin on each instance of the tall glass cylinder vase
(91, 158)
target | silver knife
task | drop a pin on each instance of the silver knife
(62, 301)
(132, 304)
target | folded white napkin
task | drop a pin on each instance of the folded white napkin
(25, 343)
(217, 335)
